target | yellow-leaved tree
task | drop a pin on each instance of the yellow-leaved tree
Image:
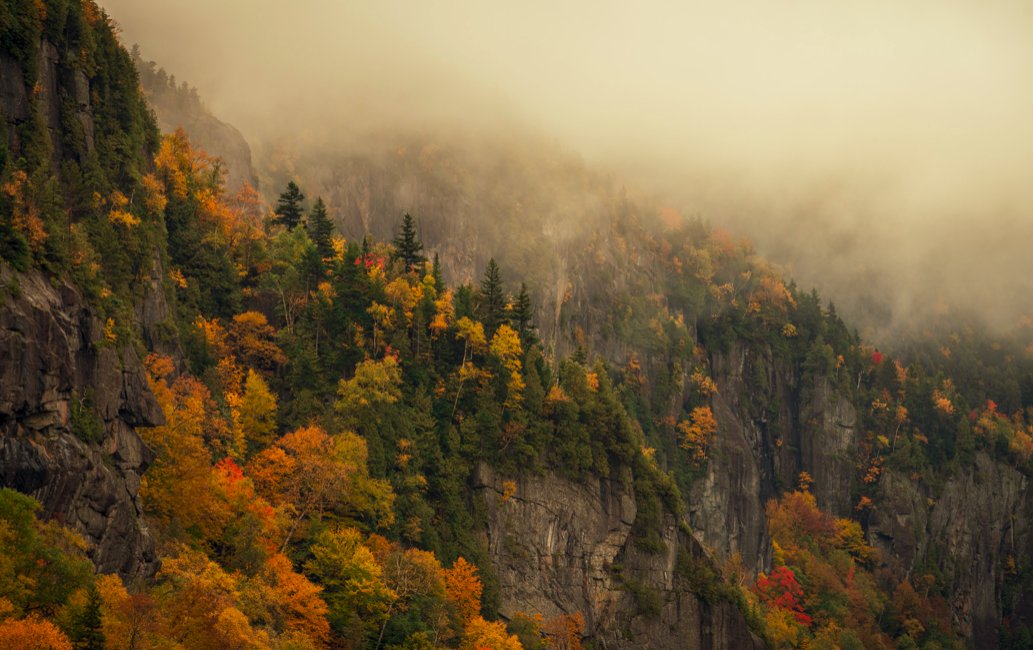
(505, 345)
(488, 635)
(255, 416)
(697, 431)
(354, 585)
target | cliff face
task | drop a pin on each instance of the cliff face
(560, 547)
(971, 535)
(58, 88)
(69, 398)
(772, 425)
(211, 135)
(179, 107)
(69, 402)
(975, 532)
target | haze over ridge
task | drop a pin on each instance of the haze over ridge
(882, 151)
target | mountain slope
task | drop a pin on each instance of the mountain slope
(179, 107)
(322, 414)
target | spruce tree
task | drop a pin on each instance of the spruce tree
(408, 247)
(435, 272)
(85, 631)
(289, 209)
(492, 301)
(320, 228)
(521, 316)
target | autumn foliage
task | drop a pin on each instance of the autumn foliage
(697, 432)
(32, 633)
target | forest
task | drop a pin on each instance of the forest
(326, 402)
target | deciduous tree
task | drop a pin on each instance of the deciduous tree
(463, 589)
(256, 421)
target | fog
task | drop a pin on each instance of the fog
(880, 150)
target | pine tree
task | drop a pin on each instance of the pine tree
(289, 209)
(408, 247)
(320, 228)
(521, 316)
(491, 306)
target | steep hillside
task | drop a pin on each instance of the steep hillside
(75, 133)
(279, 437)
(117, 247)
(614, 276)
(180, 107)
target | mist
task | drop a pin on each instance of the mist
(880, 151)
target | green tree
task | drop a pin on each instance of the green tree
(320, 228)
(41, 563)
(85, 628)
(521, 316)
(435, 272)
(408, 247)
(375, 384)
(353, 583)
(289, 209)
(491, 306)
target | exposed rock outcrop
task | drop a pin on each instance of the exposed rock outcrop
(560, 548)
(214, 137)
(57, 86)
(155, 319)
(179, 107)
(69, 402)
(967, 532)
(770, 428)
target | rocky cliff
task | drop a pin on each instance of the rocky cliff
(972, 536)
(69, 402)
(560, 547)
(64, 102)
(966, 535)
(71, 394)
(772, 425)
(180, 107)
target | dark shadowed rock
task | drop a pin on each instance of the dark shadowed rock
(58, 375)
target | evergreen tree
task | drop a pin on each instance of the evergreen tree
(289, 209)
(408, 247)
(491, 306)
(320, 228)
(435, 272)
(85, 630)
(521, 316)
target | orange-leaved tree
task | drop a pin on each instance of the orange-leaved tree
(309, 472)
(463, 589)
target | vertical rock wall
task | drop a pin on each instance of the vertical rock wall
(560, 547)
(69, 402)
